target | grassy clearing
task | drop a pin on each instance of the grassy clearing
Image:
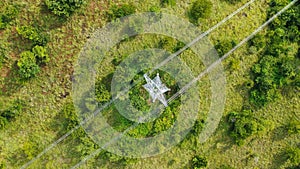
(40, 123)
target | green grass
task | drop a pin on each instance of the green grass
(40, 122)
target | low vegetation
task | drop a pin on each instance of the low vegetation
(64, 8)
(200, 9)
(39, 45)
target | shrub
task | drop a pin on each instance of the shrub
(258, 41)
(70, 116)
(199, 162)
(64, 7)
(120, 11)
(41, 55)
(11, 112)
(3, 122)
(293, 155)
(294, 127)
(155, 9)
(198, 126)
(200, 9)
(244, 125)
(224, 46)
(168, 2)
(276, 68)
(266, 81)
(31, 33)
(9, 14)
(27, 65)
(101, 93)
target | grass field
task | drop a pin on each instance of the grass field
(42, 121)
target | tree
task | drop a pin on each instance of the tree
(27, 65)
(276, 68)
(64, 7)
(200, 9)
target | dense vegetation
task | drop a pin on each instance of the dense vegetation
(199, 162)
(277, 68)
(200, 9)
(7, 15)
(120, 11)
(244, 125)
(64, 7)
(39, 45)
(11, 113)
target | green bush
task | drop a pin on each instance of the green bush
(266, 81)
(70, 116)
(288, 19)
(224, 46)
(258, 41)
(201, 9)
(199, 162)
(41, 55)
(198, 126)
(277, 68)
(168, 2)
(32, 34)
(102, 94)
(155, 9)
(64, 7)
(294, 127)
(270, 74)
(121, 11)
(293, 155)
(9, 14)
(3, 122)
(11, 112)
(27, 65)
(244, 125)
